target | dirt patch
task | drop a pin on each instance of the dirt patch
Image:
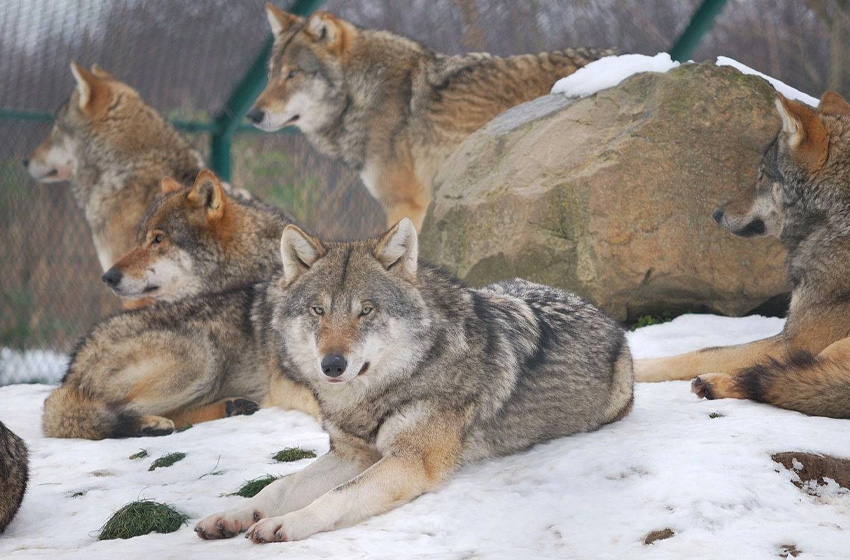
(811, 467)
(788, 551)
(658, 536)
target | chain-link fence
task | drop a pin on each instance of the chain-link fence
(185, 58)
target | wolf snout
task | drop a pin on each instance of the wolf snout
(112, 277)
(718, 215)
(256, 115)
(26, 163)
(334, 365)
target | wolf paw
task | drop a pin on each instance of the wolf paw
(267, 530)
(240, 407)
(155, 426)
(226, 525)
(702, 388)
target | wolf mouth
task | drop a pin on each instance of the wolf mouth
(292, 120)
(149, 289)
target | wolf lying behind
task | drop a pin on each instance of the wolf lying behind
(149, 371)
(417, 375)
(802, 195)
(14, 474)
(389, 107)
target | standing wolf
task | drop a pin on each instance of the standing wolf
(417, 375)
(114, 149)
(802, 195)
(389, 107)
(14, 474)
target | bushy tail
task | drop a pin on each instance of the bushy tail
(70, 413)
(815, 385)
(14, 473)
(622, 386)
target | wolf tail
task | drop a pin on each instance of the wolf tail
(14, 473)
(71, 413)
(815, 385)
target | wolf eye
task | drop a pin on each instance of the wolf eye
(292, 74)
(366, 310)
(157, 239)
(317, 310)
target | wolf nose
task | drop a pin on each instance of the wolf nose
(112, 277)
(718, 215)
(26, 162)
(255, 115)
(333, 365)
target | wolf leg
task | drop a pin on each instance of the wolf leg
(725, 359)
(817, 385)
(402, 194)
(417, 459)
(224, 408)
(282, 496)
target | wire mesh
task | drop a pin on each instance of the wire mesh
(185, 58)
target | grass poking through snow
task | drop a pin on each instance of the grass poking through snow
(252, 487)
(167, 460)
(291, 454)
(140, 455)
(140, 518)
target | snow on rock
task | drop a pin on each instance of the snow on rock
(609, 71)
(781, 87)
(668, 465)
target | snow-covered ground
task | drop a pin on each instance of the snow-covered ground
(595, 496)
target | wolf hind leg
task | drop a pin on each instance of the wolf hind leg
(223, 408)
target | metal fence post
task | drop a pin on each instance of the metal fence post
(701, 22)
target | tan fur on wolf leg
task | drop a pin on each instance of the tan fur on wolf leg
(402, 195)
(417, 459)
(289, 395)
(726, 360)
(213, 411)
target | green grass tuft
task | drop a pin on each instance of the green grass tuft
(716, 415)
(291, 454)
(252, 487)
(167, 460)
(140, 455)
(648, 320)
(140, 518)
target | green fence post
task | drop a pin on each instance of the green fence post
(227, 120)
(701, 22)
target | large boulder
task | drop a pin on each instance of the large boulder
(611, 196)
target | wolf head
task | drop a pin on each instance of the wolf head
(306, 77)
(350, 312)
(178, 244)
(756, 210)
(799, 158)
(103, 121)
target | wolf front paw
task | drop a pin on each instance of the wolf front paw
(702, 388)
(240, 407)
(226, 525)
(268, 530)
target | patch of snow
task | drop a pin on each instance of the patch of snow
(609, 71)
(31, 366)
(590, 496)
(781, 87)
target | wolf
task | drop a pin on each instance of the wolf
(198, 239)
(149, 371)
(14, 474)
(114, 149)
(389, 107)
(804, 175)
(417, 375)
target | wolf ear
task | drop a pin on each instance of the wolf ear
(101, 73)
(87, 83)
(325, 27)
(298, 252)
(804, 133)
(280, 21)
(832, 103)
(398, 249)
(208, 192)
(169, 185)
